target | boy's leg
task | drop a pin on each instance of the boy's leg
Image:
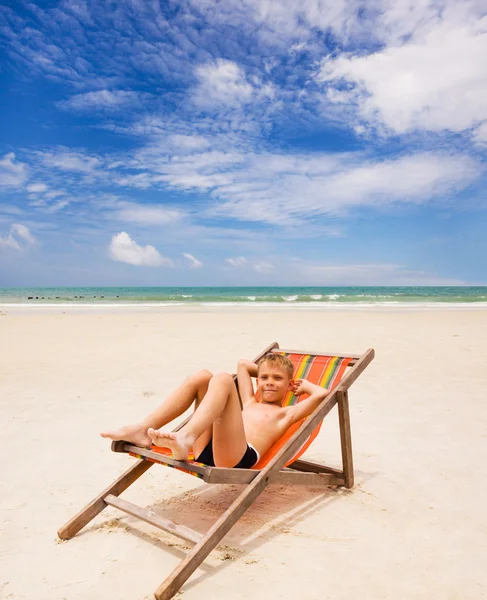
(220, 408)
(229, 440)
(193, 387)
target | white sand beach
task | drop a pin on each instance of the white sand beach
(413, 527)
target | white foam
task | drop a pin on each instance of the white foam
(290, 305)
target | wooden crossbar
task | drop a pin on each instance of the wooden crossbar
(307, 466)
(321, 476)
(149, 516)
(284, 477)
(354, 357)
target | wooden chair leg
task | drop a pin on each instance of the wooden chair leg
(198, 554)
(89, 512)
(345, 438)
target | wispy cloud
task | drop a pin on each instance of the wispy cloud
(37, 187)
(480, 134)
(12, 172)
(194, 263)
(238, 261)
(144, 214)
(124, 249)
(69, 160)
(241, 262)
(281, 189)
(16, 235)
(102, 100)
(223, 84)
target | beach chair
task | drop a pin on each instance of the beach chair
(280, 465)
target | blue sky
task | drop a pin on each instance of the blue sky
(245, 142)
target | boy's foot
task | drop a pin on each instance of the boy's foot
(137, 434)
(179, 443)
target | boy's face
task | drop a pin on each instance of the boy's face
(273, 382)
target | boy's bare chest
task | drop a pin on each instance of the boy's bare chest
(263, 425)
(262, 415)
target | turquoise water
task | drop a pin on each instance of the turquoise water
(244, 295)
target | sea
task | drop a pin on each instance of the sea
(311, 297)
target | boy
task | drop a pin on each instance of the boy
(221, 433)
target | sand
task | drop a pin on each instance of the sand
(413, 527)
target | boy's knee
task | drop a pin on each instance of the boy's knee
(201, 377)
(222, 379)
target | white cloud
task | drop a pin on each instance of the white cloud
(54, 194)
(70, 160)
(434, 81)
(295, 48)
(12, 172)
(282, 23)
(194, 263)
(288, 189)
(145, 214)
(59, 205)
(239, 261)
(9, 241)
(285, 189)
(124, 249)
(180, 142)
(141, 181)
(15, 236)
(480, 134)
(259, 266)
(101, 100)
(35, 188)
(224, 84)
(23, 232)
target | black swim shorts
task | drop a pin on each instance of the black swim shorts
(248, 460)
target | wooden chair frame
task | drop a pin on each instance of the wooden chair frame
(301, 472)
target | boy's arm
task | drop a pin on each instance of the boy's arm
(246, 369)
(304, 408)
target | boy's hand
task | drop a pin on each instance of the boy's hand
(303, 408)
(300, 387)
(303, 386)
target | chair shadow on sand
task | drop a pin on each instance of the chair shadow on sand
(275, 512)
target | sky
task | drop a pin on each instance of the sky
(243, 142)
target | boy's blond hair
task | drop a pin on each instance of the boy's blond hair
(277, 360)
